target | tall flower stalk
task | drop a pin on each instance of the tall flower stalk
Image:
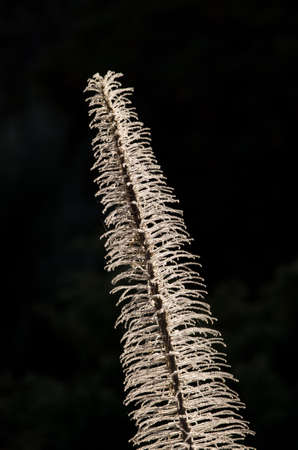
(175, 375)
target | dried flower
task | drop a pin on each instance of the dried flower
(175, 376)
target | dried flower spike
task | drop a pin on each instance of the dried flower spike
(175, 377)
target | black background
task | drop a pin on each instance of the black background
(217, 84)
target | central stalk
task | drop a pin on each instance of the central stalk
(154, 290)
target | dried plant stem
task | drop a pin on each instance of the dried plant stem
(153, 285)
(173, 372)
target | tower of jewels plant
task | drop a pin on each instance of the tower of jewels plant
(176, 377)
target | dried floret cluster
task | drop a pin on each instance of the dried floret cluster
(175, 374)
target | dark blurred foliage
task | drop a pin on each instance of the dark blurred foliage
(217, 83)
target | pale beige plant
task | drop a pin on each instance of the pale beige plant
(175, 376)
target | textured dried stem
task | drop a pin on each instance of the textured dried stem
(175, 376)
